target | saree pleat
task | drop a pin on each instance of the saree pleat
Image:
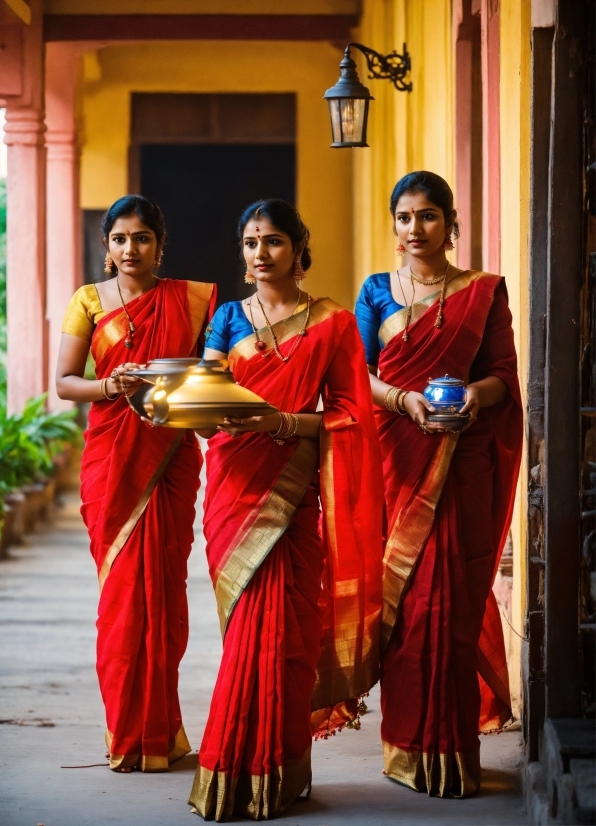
(269, 549)
(449, 501)
(268, 664)
(138, 490)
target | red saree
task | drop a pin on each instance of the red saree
(138, 488)
(449, 500)
(297, 653)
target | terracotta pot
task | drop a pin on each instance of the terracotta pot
(34, 504)
(6, 533)
(68, 466)
(62, 463)
(16, 502)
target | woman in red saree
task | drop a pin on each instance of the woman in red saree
(298, 591)
(449, 496)
(138, 484)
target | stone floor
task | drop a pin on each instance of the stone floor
(51, 716)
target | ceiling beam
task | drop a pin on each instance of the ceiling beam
(333, 27)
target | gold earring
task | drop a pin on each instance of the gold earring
(299, 273)
(249, 277)
(109, 264)
(158, 259)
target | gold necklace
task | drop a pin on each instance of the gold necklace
(413, 278)
(429, 281)
(260, 345)
(405, 335)
(131, 327)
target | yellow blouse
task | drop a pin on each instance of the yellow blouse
(83, 312)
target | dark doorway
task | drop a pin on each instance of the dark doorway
(202, 190)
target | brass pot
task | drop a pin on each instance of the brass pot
(190, 393)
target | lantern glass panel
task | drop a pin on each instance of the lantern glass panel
(352, 119)
(334, 111)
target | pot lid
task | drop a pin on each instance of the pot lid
(446, 381)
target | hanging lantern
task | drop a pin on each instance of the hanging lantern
(348, 100)
(348, 106)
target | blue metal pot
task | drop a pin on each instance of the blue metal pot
(447, 395)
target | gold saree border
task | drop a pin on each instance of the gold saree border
(198, 296)
(439, 775)
(320, 310)
(337, 677)
(396, 323)
(110, 334)
(410, 532)
(130, 523)
(148, 762)
(217, 796)
(263, 527)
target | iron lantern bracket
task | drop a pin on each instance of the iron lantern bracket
(393, 67)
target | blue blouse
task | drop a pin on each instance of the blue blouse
(374, 304)
(228, 326)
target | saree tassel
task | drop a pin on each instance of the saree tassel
(439, 321)
(405, 336)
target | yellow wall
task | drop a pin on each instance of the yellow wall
(324, 175)
(416, 131)
(407, 131)
(515, 61)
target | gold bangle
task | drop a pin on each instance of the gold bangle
(294, 425)
(278, 435)
(103, 388)
(390, 399)
(400, 403)
(287, 428)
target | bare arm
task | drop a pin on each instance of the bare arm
(309, 424)
(70, 381)
(483, 393)
(414, 403)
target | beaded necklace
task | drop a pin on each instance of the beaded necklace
(131, 327)
(441, 279)
(261, 346)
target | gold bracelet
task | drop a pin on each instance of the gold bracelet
(390, 399)
(277, 436)
(287, 428)
(104, 392)
(400, 402)
(294, 425)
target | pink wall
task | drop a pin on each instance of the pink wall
(44, 259)
(27, 334)
(491, 182)
(477, 145)
(64, 253)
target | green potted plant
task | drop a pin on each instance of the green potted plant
(29, 443)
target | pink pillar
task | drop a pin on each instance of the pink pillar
(468, 134)
(491, 177)
(463, 148)
(63, 240)
(27, 352)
